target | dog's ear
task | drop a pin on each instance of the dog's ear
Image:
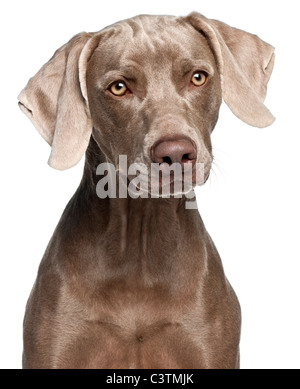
(55, 100)
(245, 63)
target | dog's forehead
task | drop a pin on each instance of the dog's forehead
(153, 38)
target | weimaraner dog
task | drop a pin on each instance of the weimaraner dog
(136, 282)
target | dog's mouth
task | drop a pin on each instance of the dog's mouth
(149, 180)
(145, 179)
(164, 179)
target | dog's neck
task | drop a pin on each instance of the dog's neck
(146, 239)
(132, 225)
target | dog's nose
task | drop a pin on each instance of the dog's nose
(171, 151)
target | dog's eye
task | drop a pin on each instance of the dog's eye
(199, 78)
(118, 88)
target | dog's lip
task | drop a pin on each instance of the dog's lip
(191, 175)
(174, 179)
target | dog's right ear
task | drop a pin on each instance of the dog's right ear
(55, 100)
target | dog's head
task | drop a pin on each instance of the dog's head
(150, 88)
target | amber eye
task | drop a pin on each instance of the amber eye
(199, 78)
(118, 88)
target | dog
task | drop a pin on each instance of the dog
(137, 282)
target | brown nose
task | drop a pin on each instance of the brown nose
(170, 151)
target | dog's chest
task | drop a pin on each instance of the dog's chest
(136, 341)
(137, 315)
(144, 328)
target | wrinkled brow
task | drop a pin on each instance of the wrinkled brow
(128, 72)
(186, 65)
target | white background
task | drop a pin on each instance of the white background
(250, 204)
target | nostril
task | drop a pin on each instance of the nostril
(189, 157)
(186, 158)
(167, 160)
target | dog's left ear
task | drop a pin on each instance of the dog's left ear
(245, 63)
(55, 101)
